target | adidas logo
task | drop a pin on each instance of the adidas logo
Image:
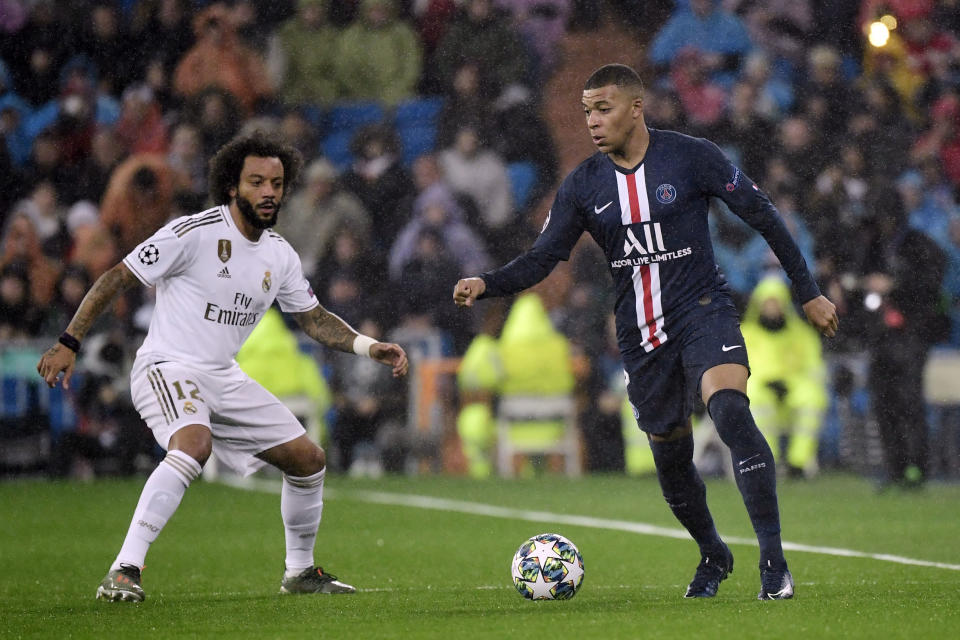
(224, 273)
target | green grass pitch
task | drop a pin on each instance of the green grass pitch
(440, 567)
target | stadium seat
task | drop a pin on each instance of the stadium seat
(336, 148)
(315, 116)
(416, 141)
(349, 116)
(513, 410)
(523, 176)
(417, 112)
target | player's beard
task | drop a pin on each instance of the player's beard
(250, 213)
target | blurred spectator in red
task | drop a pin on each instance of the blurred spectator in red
(21, 245)
(141, 127)
(139, 199)
(317, 211)
(20, 317)
(309, 44)
(942, 139)
(378, 56)
(380, 181)
(433, 19)
(220, 59)
(702, 100)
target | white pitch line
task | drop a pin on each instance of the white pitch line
(642, 528)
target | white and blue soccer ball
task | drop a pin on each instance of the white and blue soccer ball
(547, 567)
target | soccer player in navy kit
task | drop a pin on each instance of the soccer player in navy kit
(644, 198)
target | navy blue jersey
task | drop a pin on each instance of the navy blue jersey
(651, 222)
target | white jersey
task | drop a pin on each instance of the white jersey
(213, 287)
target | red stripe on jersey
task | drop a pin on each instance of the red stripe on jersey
(648, 306)
(635, 213)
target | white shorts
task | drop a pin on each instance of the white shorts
(244, 418)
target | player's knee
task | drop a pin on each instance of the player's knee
(195, 441)
(730, 411)
(308, 460)
(675, 452)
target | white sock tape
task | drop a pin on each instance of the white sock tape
(362, 344)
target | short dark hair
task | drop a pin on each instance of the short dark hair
(614, 74)
(227, 164)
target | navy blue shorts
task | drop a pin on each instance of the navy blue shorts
(663, 384)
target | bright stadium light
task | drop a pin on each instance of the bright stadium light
(879, 34)
(889, 21)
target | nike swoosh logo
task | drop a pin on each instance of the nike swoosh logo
(600, 210)
(746, 460)
(726, 348)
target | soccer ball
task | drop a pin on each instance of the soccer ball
(547, 567)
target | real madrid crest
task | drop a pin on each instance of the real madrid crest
(189, 408)
(224, 249)
(266, 281)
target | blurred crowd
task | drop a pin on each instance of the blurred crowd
(109, 112)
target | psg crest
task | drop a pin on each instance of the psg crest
(666, 193)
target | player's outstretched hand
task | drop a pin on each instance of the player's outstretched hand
(57, 359)
(391, 355)
(823, 315)
(467, 291)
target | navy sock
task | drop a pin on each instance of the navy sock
(684, 491)
(754, 469)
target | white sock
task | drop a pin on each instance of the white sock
(159, 500)
(301, 505)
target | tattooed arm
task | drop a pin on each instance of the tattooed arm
(329, 330)
(58, 358)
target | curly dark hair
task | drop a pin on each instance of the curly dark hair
(227, 164)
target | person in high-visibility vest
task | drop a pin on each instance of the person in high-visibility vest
(530, 358)
(787, 384)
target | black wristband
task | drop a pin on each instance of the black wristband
(69, 342)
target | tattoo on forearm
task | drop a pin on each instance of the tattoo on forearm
(327, 329)
(100, 295)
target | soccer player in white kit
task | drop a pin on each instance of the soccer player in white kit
(216, 273)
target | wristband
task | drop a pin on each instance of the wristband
(362, 344)
(69, 342)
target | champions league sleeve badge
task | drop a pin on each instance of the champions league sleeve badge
(149, 254)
